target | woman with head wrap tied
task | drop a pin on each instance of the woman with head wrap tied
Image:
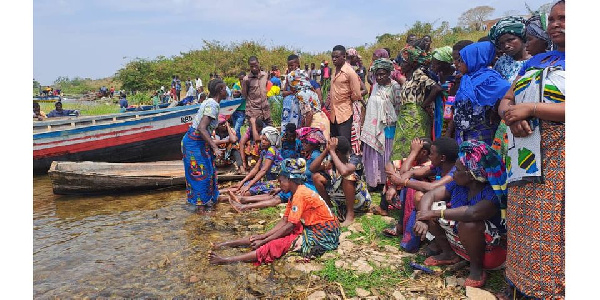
(441, 65)
(538, 40)
(377, 134)
(262, 178)
(377, 54)
(469, 224)
(508, 35)
(534, 110)
(417, 98)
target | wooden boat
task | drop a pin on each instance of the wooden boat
(89, 177)
(139, 136)
(46, 99)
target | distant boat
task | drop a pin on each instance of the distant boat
(139, 136)
(89, 177)
(46, 99)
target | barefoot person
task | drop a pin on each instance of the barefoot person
(199, 150)
(307, 226)
(470, 225)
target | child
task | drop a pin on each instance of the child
(312, 139)
(307, 226)
(250, 144)
(290, 146)
(346, 179)
(226, 140)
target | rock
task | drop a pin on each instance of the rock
(340, 264)
(362, 266)
(415, 274)
(345, 247)
(318, 295)
(328, 255)
(165, 262)
(421, 298)
(315, 278)
(308, 267)
(255, 226)
(157, 238)
(262, 222)
(393, 268)
(451, 281)
(388, 219)
(398, 296)
(460, 281)
(362, 293)
(377, 264)
(344, 235)
(168, 218)
(479, 294)
(390, 248)
(356, 227)
(194, 279)
(372, 297)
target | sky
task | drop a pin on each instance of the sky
(95, 38)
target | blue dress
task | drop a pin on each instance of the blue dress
(199, 159)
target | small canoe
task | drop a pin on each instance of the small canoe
(89, 177)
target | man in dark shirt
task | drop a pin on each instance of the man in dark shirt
(60, 112)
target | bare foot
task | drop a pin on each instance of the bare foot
(214, 259)
(232, 196)
(222, 198)
(216, 246)
(347, 222)
(238, 207)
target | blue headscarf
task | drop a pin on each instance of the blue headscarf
(481, 85)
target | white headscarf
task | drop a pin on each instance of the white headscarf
(272, 135)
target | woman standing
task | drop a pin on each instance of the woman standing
(417, 96)
(535, 264)
(199, 150)
(508, 35)
(538, 40)
(377, 134)
(442, 66)
(480, 89)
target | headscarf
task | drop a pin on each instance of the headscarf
(415, 55)
(272, 135)
(485, 165)
(513, 25)
(293, 168)
(381, 53)
(311, 135)
(443, 54)
(536, 26)
(481, 85)
(382, 63)
(222, 119)
(353, 52)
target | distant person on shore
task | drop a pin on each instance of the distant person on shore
(199, 86)
(178, 87)
(60, 112)
(325, 79)
(199, 150)
(123, 102)
(112, 91)
(254, 90)
(308, 226)
(37, 112)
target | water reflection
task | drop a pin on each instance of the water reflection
(145, 245)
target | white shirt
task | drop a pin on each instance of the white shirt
(198, 83)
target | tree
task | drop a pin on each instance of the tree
(474, 17)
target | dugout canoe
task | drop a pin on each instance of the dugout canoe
(140, 136)
(46, 99)
(89, 177)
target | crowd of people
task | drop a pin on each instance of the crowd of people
(466, 141)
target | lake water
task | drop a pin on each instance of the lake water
(144, 245)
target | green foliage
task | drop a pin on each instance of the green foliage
(140, 98)
(276, 104)
(380, 277)
(85, 108)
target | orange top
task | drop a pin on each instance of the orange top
(345, 88)
(308, 207)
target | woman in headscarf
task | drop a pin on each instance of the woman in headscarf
(377, 54)
(508, 35)
(535, 264)
(263, 176)
(377, 134)
(480, 89)
(199, 150)
(469, 224)
(441, 64)
(312, 139)
(309, 103)
(417, 97)
(538, 40)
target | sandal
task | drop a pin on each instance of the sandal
(432, 261)
(476, 283)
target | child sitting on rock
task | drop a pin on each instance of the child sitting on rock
(307, 226)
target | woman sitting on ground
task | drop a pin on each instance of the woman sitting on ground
(470, 225)
(226, 140)
(346, 179)
(307, 226)
(262, 178)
